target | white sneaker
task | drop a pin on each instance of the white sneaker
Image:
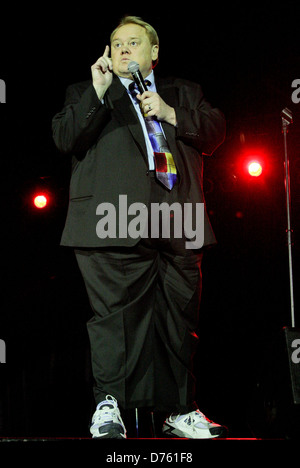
(194, 425)
(107, 422)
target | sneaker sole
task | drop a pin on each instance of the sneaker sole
(113, 432)
(171, 431)
(110, 436)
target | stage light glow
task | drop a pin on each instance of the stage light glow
(254, 168)
(40, 201)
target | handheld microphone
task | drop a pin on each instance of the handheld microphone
(134, 69)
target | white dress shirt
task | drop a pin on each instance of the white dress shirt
(126, 82)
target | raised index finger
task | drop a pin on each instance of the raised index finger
(106, 51)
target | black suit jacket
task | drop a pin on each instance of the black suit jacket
(109, 155)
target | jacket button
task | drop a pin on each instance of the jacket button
(147, 172)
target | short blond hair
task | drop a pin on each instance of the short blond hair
(151, 33)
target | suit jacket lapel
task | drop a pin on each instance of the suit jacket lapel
(126, 114)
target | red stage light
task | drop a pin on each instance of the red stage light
(40, 201)
(254, 168)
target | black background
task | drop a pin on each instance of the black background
(245, 56)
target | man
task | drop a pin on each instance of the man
(143, 285)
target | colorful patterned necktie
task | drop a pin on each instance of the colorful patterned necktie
(165, 168)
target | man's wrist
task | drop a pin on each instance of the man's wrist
(100, 91)
(171, 118)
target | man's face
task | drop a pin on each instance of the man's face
(131, 43)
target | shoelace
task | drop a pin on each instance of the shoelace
(201, 415)
(107, 412)
(104, 415)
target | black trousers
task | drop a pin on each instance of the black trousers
(143, 337)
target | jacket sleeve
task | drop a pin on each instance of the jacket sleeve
(77, 127)
(198, 123)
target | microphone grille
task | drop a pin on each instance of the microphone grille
(133, 67)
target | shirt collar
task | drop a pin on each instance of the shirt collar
(127, 81)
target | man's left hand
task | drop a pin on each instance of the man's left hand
(153, 105)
